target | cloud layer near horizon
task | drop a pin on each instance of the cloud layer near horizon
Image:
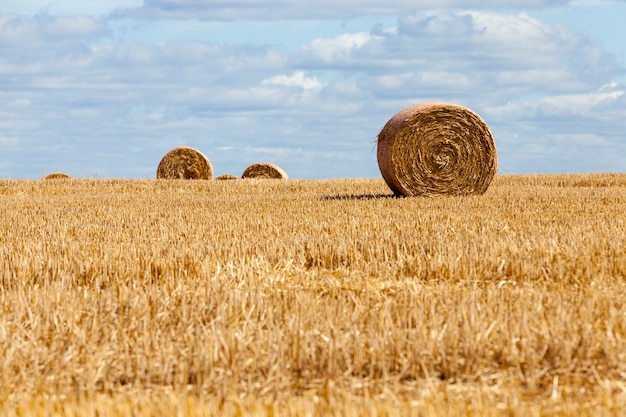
(310, 9)
(80, 94)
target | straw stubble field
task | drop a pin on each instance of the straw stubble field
(262, 297)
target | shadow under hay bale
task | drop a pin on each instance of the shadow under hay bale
(227, 177)
(185, 163)
(437, 149)
(264, 170)
(56, 176)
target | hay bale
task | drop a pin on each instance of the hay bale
(264, 170)
(436, 148)
(56, 176)
(185, 163)
(227, 177)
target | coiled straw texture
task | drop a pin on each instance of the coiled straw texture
(436, 149)
(264, 170)
(185, 163)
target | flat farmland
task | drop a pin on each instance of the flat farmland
(312, 297)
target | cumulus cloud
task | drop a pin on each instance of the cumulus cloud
(337, 50)
(70, 93)
(442, 52)
(298, 79)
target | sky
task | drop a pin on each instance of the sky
(105, 89)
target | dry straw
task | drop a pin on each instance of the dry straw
(227, 177)
(437, 148)
(185, 163)
(264, 170)
(56, 176)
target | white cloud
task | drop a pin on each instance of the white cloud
(560, 106)
(576, 104)
(67, 85)
(443, 50)
(297, 79)
(609, 86)
(507, 29)
(336, 49)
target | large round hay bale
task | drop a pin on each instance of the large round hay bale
(185, 163)
(264, 170)
(56, 176)
(437, 148)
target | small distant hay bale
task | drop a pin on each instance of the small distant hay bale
(227, 177)
(185, 163)
(264, 170)
(437, 149)
(56, 176)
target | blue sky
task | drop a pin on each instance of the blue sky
(105, 89)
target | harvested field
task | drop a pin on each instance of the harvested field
(194, 298)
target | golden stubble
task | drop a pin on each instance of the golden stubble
(285, 298)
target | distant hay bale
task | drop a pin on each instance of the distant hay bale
(437, 149)
(227, 177)
(264, 170)
(56, 176)
(185, 163)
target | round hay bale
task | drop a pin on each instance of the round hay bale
(264, 170)
(437, 149)
(56, 176)
(185, 163)
(227, 177)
